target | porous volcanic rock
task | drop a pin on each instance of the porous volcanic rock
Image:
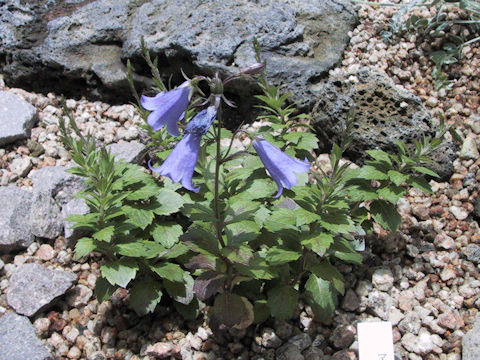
(384, 113)
(85, 52)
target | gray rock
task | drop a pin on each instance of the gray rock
(379, 303)
(34, 287)
(73, 207)
(17, 117)
(270, 339)
(58, 183)
(21, 166)
(18, 340)
(129, 151)
(343, 336)
(288, 352)
(16, 231)
(350, 302)
(300, 39)
(382, 279)
(301, 341)
(384, 113)
(476, 209)
(471, 342)
(472, 252)
(411, 323)
(46, 218)
(469, 149)
(422, 344)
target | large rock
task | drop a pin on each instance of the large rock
(471, 342)
(73, 207)
(33, 287)
(46, 218)
(16, 232)
(128, 151)
(17, 117)
(85, 52)
(384, 113)
(18, 340)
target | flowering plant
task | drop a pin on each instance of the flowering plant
(242, 222)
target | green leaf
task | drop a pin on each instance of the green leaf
(84, 246)
(239, 255)
(103, 289)
(380, 155)
(172, 272)
(391, 193)
(278, 256)
(181, 292)
(342, 249)
(145, 295)
(305, 217)
(322, 296)
(282, 302)
(167, 233)
(232, 310)
(138, 216)
(281, 219)
(386, 215)
(208, 284)
(146, 191)
(328, 272)
(119, 272)
(370, 172)
(134, 249)
(260, 311)
(200, 240)
(318, 243)
(397, 177)
(170, 202)
(189, 311)
(240, 232)
(104, 234)
(420, 183)
(337, 222)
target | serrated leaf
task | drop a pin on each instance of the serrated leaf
(170, 202)
(328, 272)
(84, 246)
(200, 240)
(337, 223)
(201, 262)
(169, 271)
(282, 302)
(305, 217)
(231, 310)
(386, 215)
(208, 284)
(370, 172)
(167, 233)
(391, 193)
(119, 272)
(240, 232)
(138, 216)
(145, 296)
(103, 289)
(397, 177)
(134, 249)
(318, 243)
(239, 255)
(279, 256)
(420, 183)
(380, 155)
(146, 191)
(181, 292)
(343, 250)
(322, 296)
(104, 234)
(281, 219)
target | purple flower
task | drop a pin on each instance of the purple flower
(180, 164)
(167, 108)
(282, 167)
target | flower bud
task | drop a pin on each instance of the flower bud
(254, 69)
(216, 85)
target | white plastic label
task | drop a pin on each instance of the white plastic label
(375, 340)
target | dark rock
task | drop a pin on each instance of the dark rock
(129, 151)
(85, 52)
(384, 113)
(343, 336)
(301, 341)
(16, 230)
(471, 342)
(17, 117)
(33, 287)
(288, 352)
(18, 340)
(476, 209)
(472, 252)
(46, 218)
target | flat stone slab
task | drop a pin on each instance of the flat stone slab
(34, 287)
(129, 151)
(471, 342)
(16, 232)
(17, 118)
(18, 340)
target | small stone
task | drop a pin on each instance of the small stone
(74, 353)
(459, 212)
(450, 320)
(131, 152)
(283, 329)
(42, 326)
(344, 355)
(472, 252)
(21, 166)
(469, 149)
(447, 274)
(45, 252)
(421, 344)
(162, 350)
(343, 336)
(79, 296)
(432, 101)
(17, 118)
(301, 341)
(350, 302)
(380, 304)
(70, 333)
(383, 279)
(411, 323)
(443, 241)
(289, 351)
(395, 316)
(270, 339)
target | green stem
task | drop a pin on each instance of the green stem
(219, 225)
